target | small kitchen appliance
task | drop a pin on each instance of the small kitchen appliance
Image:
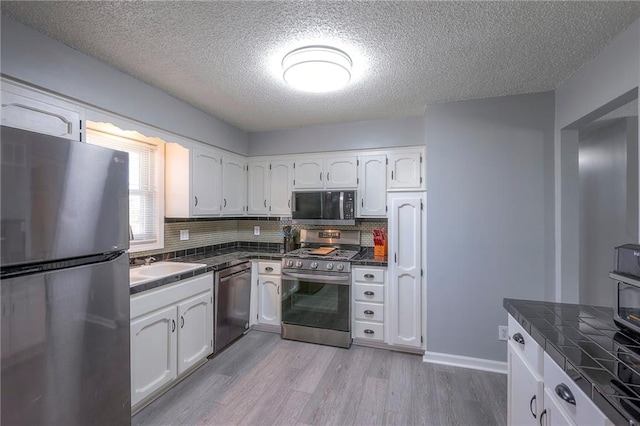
(316, 282)
(626, 295)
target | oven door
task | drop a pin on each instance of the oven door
(315, 301)
(627, 303)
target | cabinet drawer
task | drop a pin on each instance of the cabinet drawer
(369, 311)
(369, 330)
(530, 350)
(272, 268)
(369, 292)
(369, 275)
(584, 412)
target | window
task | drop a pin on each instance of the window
(146, 181)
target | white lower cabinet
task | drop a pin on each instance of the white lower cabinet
(368, 304)
(525, 387)
(154, 345)
(171, 332)
(269, 289)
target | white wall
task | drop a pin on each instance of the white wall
(606, 82)
(487, 231)
(34, 58)
(395, 132)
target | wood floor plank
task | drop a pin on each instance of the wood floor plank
(373, 401)
(399, 391)
(314, 367)
(380, 364)
(424, 409)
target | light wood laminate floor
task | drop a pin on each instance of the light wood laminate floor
(263, 380)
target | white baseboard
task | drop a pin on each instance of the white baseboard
(466, 362)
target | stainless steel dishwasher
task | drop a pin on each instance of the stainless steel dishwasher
(232, 296)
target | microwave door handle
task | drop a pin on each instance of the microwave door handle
(341, 205)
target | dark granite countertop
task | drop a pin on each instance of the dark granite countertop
(366, 258)
(583, 340)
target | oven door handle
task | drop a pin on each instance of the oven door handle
(317, 279)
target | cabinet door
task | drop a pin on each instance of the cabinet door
(405, 256)
(269, 300)
(234, 186)
(405, 170)
(30, 114)
(281, 187)
(206, 181)
(553, 414)
(341, 172)
(195, 333)
(308, 173)
(525, 391)
(153, 352)
(372, 188)
(258, 188)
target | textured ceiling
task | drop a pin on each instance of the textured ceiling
(224, 57)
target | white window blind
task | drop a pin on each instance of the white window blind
(143, 183)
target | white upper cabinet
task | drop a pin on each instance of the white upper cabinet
(308, 173)
(234, 185)
(405, 268)
(334, 172)
(258, 188)
(206, 182)
(281, 186)
(341, 172)
(35, 111)
(405, 171)
(372, 186)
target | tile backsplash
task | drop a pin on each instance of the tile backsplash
(210, 232)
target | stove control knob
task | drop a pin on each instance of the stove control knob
(340, 267)
(329, 266)
(314, 265)
(289, 263)
(299, 264)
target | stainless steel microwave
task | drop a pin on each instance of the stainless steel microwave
(626, 293)
(324, 207)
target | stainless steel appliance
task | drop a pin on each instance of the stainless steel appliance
(65, 282)
(627, 373)
(232, 297)
(324, 207)
(316, 288)
(626, 295)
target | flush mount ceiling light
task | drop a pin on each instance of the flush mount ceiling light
(317, 69)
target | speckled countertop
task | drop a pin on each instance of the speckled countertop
(225, 257)
(583, 340)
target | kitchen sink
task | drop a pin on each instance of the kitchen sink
(146, 273)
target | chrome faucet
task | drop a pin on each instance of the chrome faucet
(148, 260)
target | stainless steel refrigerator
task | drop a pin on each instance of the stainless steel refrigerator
(65, 282)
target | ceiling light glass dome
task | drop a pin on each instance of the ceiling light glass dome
(317, 69)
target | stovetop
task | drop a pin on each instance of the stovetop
(336, 255)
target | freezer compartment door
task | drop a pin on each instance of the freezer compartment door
(60, 199)
(65, 346)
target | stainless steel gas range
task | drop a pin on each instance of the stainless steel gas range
(316, 283)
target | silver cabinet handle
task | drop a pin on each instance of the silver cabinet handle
(565, 394)
(225, 202)
(518, 338)
(196, 200)
(391, 174)
(362, 202)
(369, 276)
(320, 175)
(173, 326)
(327, 176)
(265, 203)
(268, 269)
(369, 293)
(542, 415)
(368, 312)
(278, 290)
(368, 331)
(533, 398)
(289, 203)
(182, 318)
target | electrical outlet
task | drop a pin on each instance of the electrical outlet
(184, 235)
(256, 230)
(503, 332)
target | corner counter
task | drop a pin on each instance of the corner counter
(602, 360)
